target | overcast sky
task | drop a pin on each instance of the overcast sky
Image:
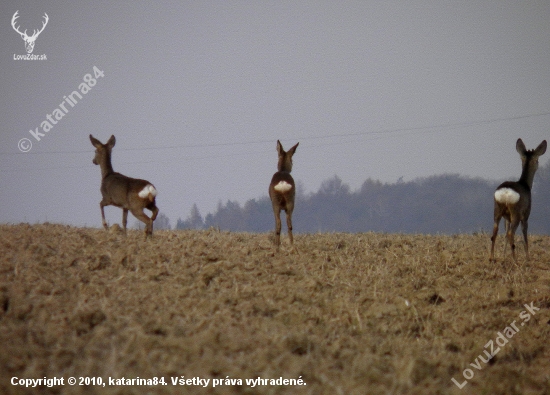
(198, 92)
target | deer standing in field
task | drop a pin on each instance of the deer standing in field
(513, 199)
(127, 193)
(282, 191)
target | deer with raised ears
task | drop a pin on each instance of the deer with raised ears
(513, 199)
(282, 191)
(130, 194)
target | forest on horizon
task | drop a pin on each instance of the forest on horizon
(440, 204)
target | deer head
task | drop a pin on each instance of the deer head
(103, 151)
(285, 157)
(29, 40)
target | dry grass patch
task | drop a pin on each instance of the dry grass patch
(349, 313)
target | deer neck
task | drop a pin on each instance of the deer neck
(284, 165)
(528, 174)
(106, 166)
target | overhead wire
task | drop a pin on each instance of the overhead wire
(376, 135)
(305, 138)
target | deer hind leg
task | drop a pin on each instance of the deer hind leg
(514, 222)
(153, 217)
(139, 214)
(494, 237)
(124, 219)
(524, 229)
(277, 213)
(289, 209)
(102, 205)
(506, 227)
(289, 226)
(155, 212)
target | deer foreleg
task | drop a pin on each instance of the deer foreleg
(102, 205)
(124, 219)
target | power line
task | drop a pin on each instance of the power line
(381, 133)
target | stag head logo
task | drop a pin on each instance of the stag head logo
(29, 40)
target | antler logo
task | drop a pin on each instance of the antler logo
(29, 41)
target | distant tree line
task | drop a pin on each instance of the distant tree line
(539, 221)
(445, 204)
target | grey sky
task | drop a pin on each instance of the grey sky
(197, 94)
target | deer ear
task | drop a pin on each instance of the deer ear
(111, 142)
(293, 149)
(280, 149)
(541, 149)
(95, 142)
(520, 147)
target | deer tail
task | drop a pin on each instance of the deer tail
(149, 192)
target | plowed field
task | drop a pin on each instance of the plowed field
(343, 313)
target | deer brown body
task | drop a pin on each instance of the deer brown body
(282, 192)
(130, 194)
(513, 199)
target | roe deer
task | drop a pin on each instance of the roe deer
(282, 192)
(513, 199)
(124, 192)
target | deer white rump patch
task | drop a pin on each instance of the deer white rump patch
(282, 186)
(149, 190)
(506, 196)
